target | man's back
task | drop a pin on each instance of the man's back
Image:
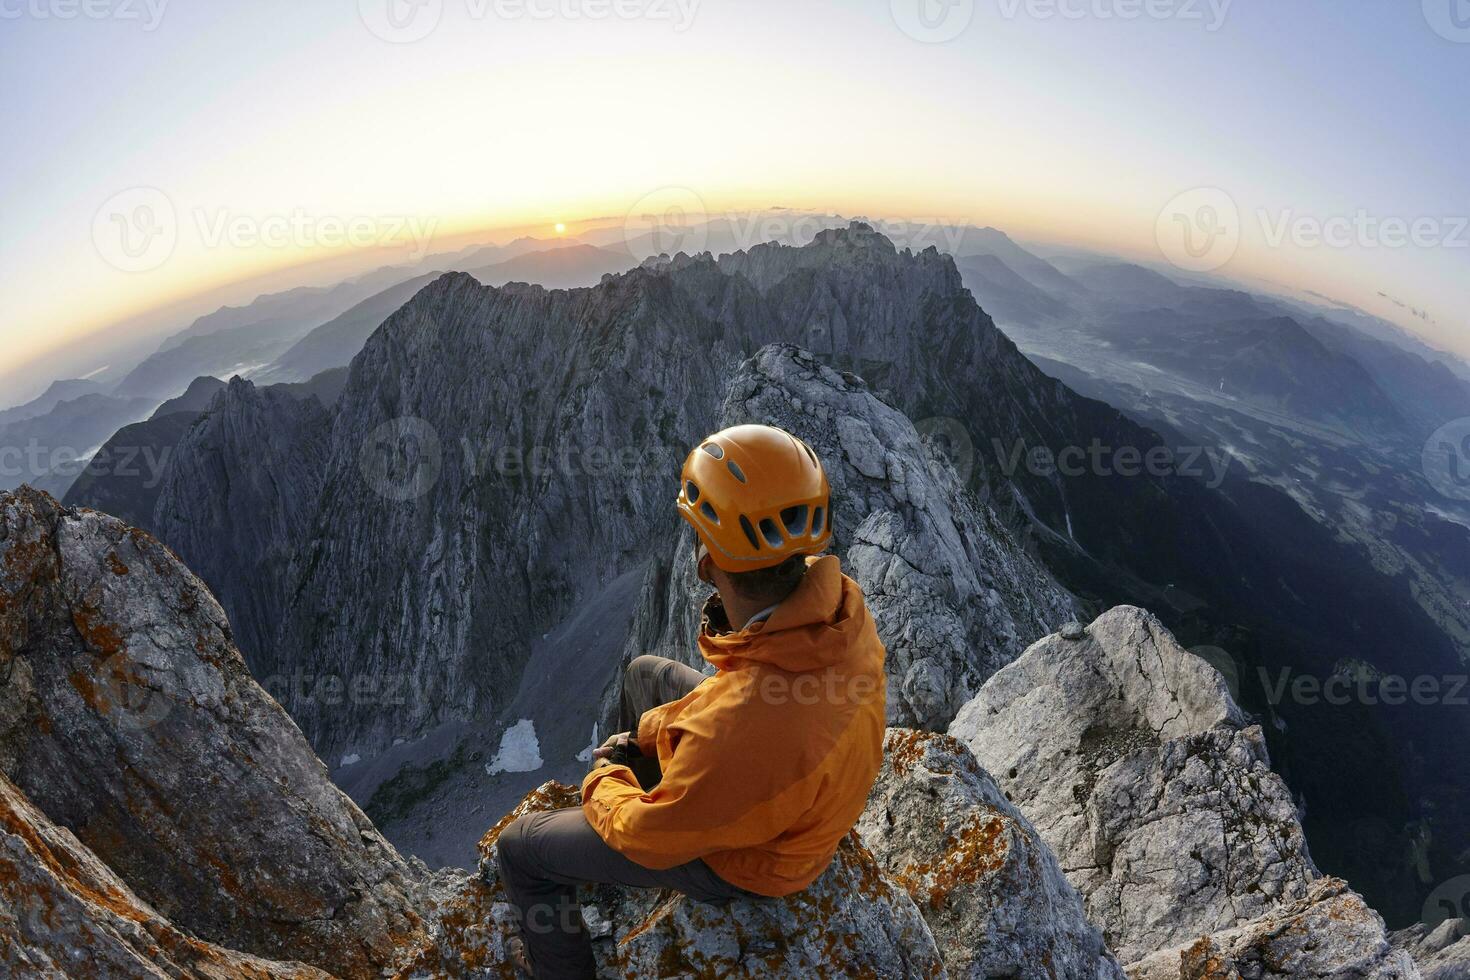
(766, 765)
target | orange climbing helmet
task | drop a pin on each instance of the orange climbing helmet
(756, 496)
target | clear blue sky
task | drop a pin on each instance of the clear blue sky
(1078, 128)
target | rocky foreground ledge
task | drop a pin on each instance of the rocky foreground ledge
(161, 816)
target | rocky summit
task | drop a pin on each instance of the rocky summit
(1100, 806)
(1156, 794)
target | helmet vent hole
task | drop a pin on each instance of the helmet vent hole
(691, 492)
(749, 532)
(770, 533)
(818, 516)
(736, 471)
(795, 520)
(714, 450)
(709, 512)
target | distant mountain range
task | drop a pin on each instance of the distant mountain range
(1309, 504)
(60, 391)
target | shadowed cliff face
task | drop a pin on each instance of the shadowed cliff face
(500, 455)
(127, 716)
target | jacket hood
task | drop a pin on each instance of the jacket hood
(814, 628)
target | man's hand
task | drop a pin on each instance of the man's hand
(617, 750)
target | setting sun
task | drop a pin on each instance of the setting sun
(561, 228)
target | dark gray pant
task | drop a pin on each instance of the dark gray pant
(544, 856)
(648, 683)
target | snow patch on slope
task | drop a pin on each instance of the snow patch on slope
(519, 750)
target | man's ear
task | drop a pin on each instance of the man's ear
(703, 569)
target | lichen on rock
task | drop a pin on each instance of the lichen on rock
(989, 887)
(853, 921)
(65, 915)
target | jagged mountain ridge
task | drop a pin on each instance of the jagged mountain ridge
(854, 295)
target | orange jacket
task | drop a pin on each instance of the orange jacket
(767, 764)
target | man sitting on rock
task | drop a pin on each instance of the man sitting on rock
(740, 784)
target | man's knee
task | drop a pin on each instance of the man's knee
(644, 669)
(513, 847)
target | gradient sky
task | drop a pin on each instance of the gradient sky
(1066, 128)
